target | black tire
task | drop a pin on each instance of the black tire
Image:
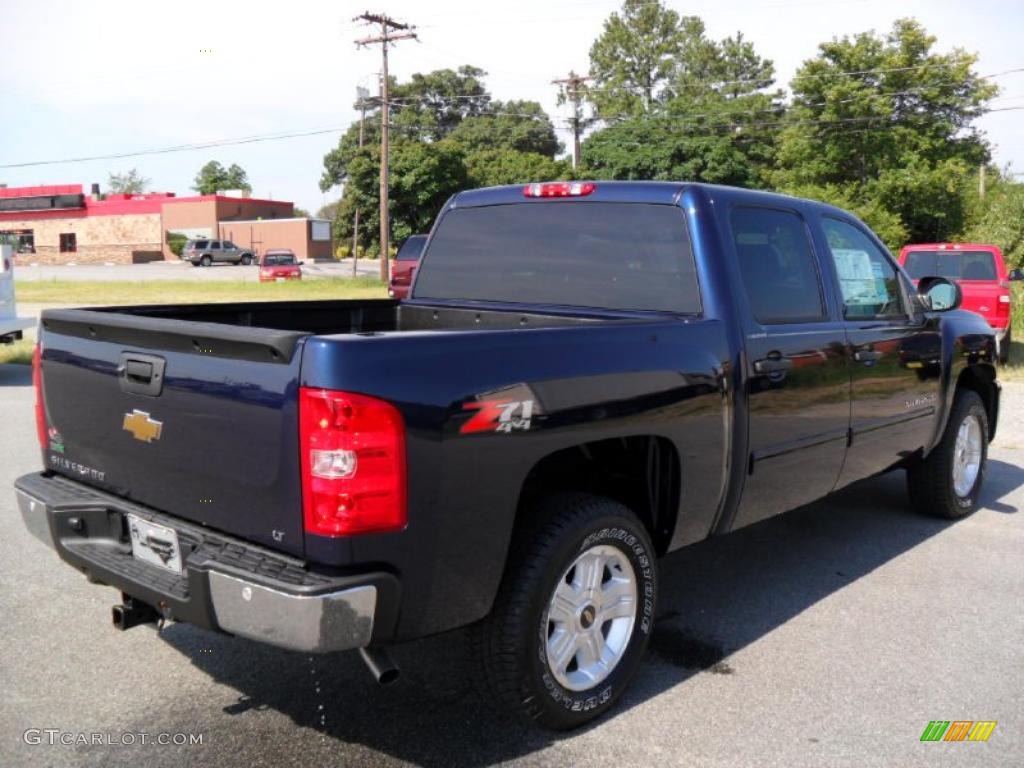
(194, 263)
(1004, 347)
(930, 482)
(205, 261)
(246, 260)
(511, 643)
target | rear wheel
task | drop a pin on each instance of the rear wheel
(574, 613)
(947, 483)
(205, 261)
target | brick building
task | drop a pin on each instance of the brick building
(59, 224)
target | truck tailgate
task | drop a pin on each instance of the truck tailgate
(198, 420)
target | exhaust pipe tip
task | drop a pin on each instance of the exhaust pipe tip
(380, 664)
(117, 617)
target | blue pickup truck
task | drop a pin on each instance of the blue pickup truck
(586, 377)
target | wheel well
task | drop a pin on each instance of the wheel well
(981, 379)
(642, 473)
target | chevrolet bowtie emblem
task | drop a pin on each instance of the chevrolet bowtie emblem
(142, 426)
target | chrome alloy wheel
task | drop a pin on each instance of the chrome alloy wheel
(590, 618)
(967, 456)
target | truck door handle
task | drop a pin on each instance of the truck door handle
(774, 363)
(867, 355)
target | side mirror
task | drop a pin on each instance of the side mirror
(940, 294)
(1017, 274)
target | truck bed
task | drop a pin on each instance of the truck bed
(217, 386)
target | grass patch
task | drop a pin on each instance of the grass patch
(95, 293)
(1014, 369)
(19, 353)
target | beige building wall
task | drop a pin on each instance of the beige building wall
(263, 235)
(99, 239)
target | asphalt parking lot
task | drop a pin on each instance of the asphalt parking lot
(178, 270)
(829, 636)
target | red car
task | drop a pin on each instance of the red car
(278, 265)
(981, 273)
(405, 266)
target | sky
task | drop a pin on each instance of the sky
(104, 77)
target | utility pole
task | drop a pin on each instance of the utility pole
(391, 31)
(571, 92)
(362, 94)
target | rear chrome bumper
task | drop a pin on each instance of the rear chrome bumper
(226, 584)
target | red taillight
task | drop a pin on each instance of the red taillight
(353, 463)
(37, 384)
(560, 189)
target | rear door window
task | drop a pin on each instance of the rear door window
(779, 271)
(566, 252)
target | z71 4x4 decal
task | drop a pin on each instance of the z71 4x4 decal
(498, 416)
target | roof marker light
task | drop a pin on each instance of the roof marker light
(560, 189)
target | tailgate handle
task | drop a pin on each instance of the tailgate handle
(141, 374)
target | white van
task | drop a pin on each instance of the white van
(11, 325)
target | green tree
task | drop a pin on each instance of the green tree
(300, 213)
(887, 124)
(423, 176)
(1000, 221)
(329, 211)
(131, 182)
(213, 177)
(636, 58)
(521, 126)
(711, 121)
(493, 167)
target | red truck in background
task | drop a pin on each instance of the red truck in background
(404, 268)
(982, 275)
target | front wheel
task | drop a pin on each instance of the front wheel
(246, 260)
(573, 615)
(947, 483)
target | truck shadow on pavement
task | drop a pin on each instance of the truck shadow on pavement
(716, 597)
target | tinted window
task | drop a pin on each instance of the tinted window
(954, 265)
(214, 245)
(200, 244)
(778, 266)
(229, 244)
(411, 248)
(573, 253)
(867, 277)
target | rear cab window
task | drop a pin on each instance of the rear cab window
(777, 265)
(951, 264)
(411, 248)
(619, 256)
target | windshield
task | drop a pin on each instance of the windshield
(953, 265)
(272, 259)
(572, 253)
